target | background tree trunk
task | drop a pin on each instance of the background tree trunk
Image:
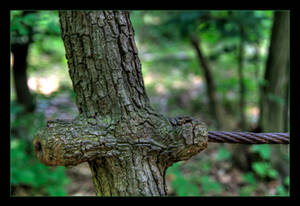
(287, 102)
(256, 59)
(276, 75)
(257, 75)
(20, 52)
(275, 90)
(24, 98)
(215, 107)
(240, 153)
(127, 144)
(241, 54)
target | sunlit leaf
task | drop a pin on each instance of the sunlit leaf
(263, 150)
(272, 173)
(261, 168)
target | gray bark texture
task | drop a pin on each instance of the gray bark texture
(127, 144)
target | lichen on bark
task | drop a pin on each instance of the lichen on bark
(127, 144)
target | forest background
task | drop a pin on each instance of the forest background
(218, 65)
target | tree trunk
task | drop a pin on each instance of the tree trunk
(257, 74)
(287, 102)
(273, 92)
(127, 144)
(256, 61)
(241, 79)
(240, 153)
(23, 95)
(215, 107)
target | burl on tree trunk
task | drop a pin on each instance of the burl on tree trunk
(127, 144)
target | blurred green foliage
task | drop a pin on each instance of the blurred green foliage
(263, 170)
(46, 57)
(193, 182)
(188, 185)
(210, 185)
(165, 35)
(25, 169)
(223, 154)
(41, 23)
(182, 186)
(194, 178)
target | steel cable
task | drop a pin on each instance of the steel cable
(248, 137)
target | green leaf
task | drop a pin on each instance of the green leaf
(56, 191)
(261, 168)
(26, 177)
(26, 169)
(272, 173)
(281, 191)
(14, 144)
(263, 150)
(182, 186)
(185, 188)
(209, 185)
(287, 181)
(249, 178)
(223, 154)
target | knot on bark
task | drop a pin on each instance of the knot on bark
(64, 142)
(191, 137)
(70, 142)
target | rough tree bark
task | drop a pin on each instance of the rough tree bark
(127, 144)
(276, 75)
(215, 107)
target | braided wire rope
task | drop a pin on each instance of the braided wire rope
(248, 137)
